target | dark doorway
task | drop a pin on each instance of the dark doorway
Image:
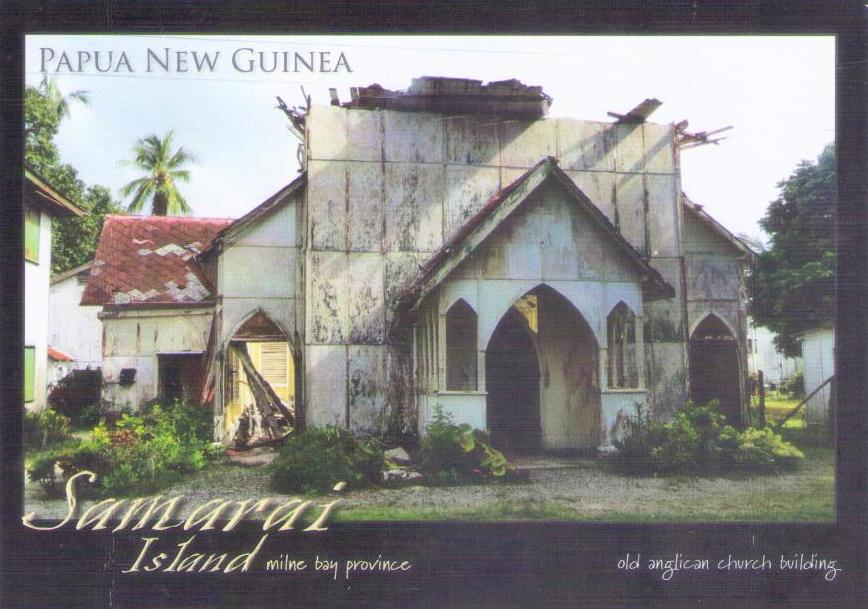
(512, 374)
(714, 369)
(179, 376)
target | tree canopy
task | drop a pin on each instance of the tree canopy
(164, 169)
(73, 240)
(793, 283)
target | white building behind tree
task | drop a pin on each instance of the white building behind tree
(41, 203)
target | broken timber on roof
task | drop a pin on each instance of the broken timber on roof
(462, 95)
(685, 140)
(638, 114)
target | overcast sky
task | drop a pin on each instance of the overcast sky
(777, 92)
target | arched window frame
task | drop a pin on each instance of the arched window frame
(623, 340)
(461, 332)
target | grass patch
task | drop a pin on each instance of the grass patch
(495, 511)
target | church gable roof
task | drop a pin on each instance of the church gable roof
(238, 227)
(703, 217)
(501, 206)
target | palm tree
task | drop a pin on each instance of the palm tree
(164, 169)
(57, 101)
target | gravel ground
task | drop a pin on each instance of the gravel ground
(555, 489)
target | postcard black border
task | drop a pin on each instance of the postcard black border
(460, 564)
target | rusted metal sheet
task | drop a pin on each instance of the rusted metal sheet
(413, 137)
(523, 144)
(414, 207)
(713, 278)
(368, 388)
(327, 205)
(326, 388)
(629, 148)
(630, 208)
(401, 268)
(664, 319)
(327, 133)
(328, 295)
(365, 215)
(662, 219)
(666, 376)
(599, 187)
(366, 294)
(586, 145)
(659, 148)
(471, 141)
(467, 191)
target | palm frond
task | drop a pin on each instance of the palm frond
(180, 174)
(153, 154)
(142, 194)
(180, 157)
(128, 189)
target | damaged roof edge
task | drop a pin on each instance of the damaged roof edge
(50, 197)
(448, 94)
(715, 226)
(231, 232)
(439, 266)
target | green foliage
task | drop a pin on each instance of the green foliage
(143, 452)
(698, 441)
(794, 386)
(90, 415)
(163, 169)
(317, 458)
(45, 428)
(43, 471)
(793, 283)
(759, 450)
(452, 453)
(74, 240)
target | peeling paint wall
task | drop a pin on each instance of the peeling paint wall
(260, 270)
(551, 242)
(715, 284)
(387, 189)
(133, 339)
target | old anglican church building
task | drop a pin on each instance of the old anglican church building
(444, 247)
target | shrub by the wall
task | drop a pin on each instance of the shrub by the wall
(317, 458)
(141, 453)
(451, 453)
(697, 441)
(46, 427)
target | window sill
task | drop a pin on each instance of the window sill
(461, 392)
(626, 390)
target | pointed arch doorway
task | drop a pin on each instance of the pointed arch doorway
(714, 368)
(541, 376)
(260, 382)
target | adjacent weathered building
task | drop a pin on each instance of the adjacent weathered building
(41, 203)
(450, 247)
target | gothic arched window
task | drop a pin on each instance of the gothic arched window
(621, 331)
(461, 356)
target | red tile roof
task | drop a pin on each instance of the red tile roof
(149, 260)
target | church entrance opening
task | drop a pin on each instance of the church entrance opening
(541, 376)
(714, 369)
